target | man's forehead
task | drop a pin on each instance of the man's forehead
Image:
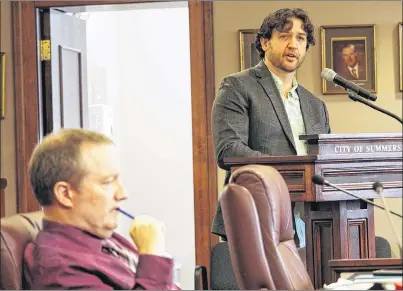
(99, 154)
(295, 24)
(348, 50)
(101, 169)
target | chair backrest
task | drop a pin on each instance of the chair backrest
(258, 223)
(16, 232)
(245, 239)
(382, 248)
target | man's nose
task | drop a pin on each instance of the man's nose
(121, 194)
(292, 42)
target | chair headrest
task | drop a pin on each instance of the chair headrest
(16, 232)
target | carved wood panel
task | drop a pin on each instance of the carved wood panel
(322, 251)
(357, 239)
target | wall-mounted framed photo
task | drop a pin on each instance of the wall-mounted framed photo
(249, 55)
(350, 52)
(2, 85)
(400, 38)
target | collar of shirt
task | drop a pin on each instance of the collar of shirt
(81, 238)
(355, 67)
(279, 85)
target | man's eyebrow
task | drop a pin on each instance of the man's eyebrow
(110, 175)
(290, 32)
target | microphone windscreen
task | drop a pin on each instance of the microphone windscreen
(377, 185)
(318, 180)
(328, 74)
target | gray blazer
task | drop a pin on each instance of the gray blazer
(249, 119)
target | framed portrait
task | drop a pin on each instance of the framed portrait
(350, 52)
(249, 55)
(400, 38)
(2, 84)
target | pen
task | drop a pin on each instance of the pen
(125, 213)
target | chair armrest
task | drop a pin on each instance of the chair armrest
(201, 278)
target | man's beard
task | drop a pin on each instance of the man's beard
(278, 59)
(279, 63)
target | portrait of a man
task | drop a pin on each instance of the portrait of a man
(349, 51)
(349, 59)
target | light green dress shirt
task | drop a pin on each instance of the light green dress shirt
(294, 114)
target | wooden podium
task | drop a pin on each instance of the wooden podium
(338, 226)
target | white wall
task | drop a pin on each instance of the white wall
(144, 54)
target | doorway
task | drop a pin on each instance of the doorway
(124, 73)
(32, 113)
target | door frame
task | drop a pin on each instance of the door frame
(29, 114)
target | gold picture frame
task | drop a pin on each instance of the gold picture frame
(349, 51)
(249, 55)
(2, 85)
(400, 38)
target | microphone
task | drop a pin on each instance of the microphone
(378, 188)
(331, 76)
(319, 180)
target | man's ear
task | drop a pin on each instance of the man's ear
(64, 194)
(264, 42)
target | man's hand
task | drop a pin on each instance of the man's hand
(148, 235)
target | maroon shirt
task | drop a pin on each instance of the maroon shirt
(65, 257)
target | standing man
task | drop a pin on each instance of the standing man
(75, 175)
(263, 110)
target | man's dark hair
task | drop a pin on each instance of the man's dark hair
(281, 21)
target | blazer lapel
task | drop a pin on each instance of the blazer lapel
(306, 110)
(266, 80)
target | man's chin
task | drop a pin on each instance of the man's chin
(113, 226)
(289, 69)
(110, 227)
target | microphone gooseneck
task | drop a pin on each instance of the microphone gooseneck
(378, 188)
(354, 96)
(319, 180)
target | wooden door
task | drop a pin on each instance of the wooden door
(64, 71)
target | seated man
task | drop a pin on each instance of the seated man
(76, 179)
